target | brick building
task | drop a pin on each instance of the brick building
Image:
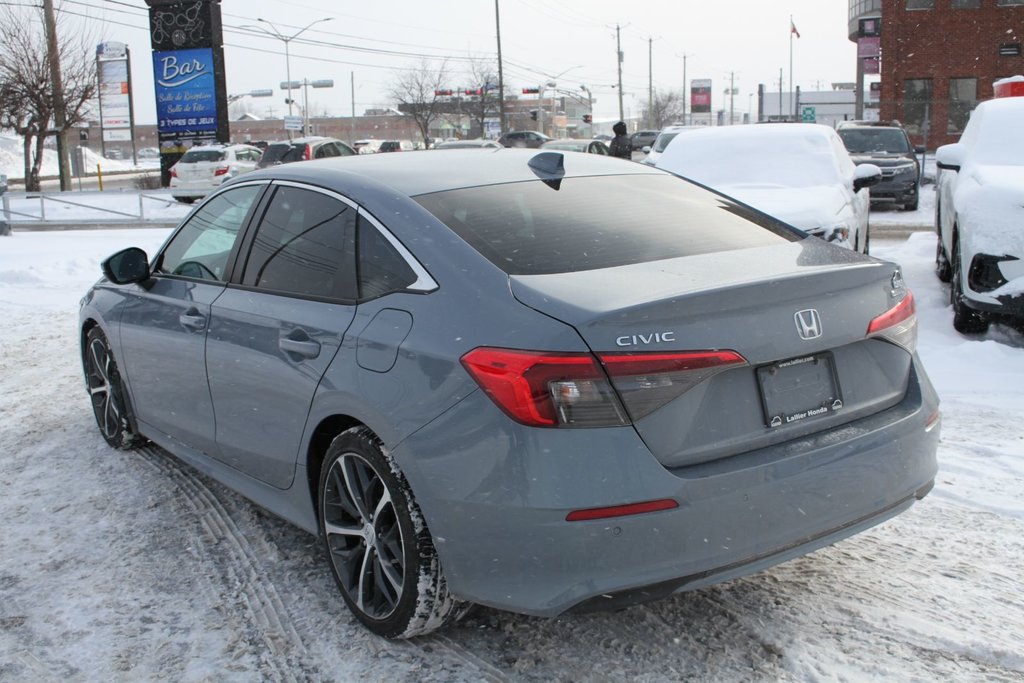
(941, 57)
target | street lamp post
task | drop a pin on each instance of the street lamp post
(276, 33)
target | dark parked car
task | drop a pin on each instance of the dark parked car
(523, 138)
(480, 379)
(642, 138)
(577, 145)
(887, 146)
(303, 149)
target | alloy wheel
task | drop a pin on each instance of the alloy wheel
(364, 537)
(106, 401)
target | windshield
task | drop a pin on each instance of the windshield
(195, 155)
(662, 142)
(534, 228)
(862, 140)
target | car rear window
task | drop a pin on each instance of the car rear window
(195, 155)
(282, 153)
(541, 227)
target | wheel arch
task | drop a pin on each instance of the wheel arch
(325, 432)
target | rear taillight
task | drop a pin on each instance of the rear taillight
(174, 171)
(308, 154)
(898, 324)
(221, 170)
(543, 389)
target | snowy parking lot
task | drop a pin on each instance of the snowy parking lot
(127, 566)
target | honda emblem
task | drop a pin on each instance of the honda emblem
(808, 324)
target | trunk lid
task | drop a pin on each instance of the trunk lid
(749, 301)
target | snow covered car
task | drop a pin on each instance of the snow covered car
(667, 135)
(204, 168)
(979, 216)
(799, 173)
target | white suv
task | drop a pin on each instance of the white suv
(667, 135)
(203, 168)
(979, 214)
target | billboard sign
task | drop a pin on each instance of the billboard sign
(114, 85)
(700, 95)
(186, 92)
(869, 47)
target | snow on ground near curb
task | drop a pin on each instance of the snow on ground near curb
(130, 566)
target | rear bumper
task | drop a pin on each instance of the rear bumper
(496, 505)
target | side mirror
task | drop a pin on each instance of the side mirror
(950, 157)
(127, 266)
(920, 149)
(866, 175)
(646, 149)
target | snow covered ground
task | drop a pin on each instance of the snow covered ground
(127, 566)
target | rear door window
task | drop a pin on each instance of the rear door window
(304, 246)
(382, 270)
(537, 227)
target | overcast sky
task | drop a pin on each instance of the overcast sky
(572, 41)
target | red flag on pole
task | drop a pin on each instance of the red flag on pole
(792, 28)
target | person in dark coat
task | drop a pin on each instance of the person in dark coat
(620, 145)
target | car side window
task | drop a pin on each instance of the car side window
(202, 247)
(382, 269)
(325, 150)
(304, 245)
(344, 150)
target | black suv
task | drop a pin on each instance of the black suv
(887, 146)
(303, 149)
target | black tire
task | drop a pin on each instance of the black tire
(943, 270)
(379, 548)
(186, 200)
(867, 237)
(966, 320)
(107, 393)
(911, 207)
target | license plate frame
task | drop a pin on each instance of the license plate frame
(799, 389)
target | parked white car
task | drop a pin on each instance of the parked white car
(979, 215)
(667, 135)
(204, 168)
(799, 173)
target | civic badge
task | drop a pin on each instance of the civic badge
(808, 324)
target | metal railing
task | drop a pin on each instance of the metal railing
(41, 210)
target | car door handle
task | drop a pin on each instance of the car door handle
(192, 320)
(307, 348)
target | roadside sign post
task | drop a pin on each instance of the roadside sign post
(809, 115)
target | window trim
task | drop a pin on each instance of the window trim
(424, 283)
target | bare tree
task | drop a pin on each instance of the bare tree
(483, 78)
(416, 93)
(26, 93)
(667, 108)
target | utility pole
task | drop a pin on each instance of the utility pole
(686, 90)
(618, 50)
(732, 97)
(57, 85)
(501, 78)
(352, 76)
(650, 82)
(780, 94)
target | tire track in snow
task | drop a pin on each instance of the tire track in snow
(283, 649)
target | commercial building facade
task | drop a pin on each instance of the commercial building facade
(941, 57)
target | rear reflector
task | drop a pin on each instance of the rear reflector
(621, 510)
(543, 389)
(898, 324)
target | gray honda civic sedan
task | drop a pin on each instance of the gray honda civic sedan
(487, 378)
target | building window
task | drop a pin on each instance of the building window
(1007, 3)
(966, 4)
(963, 97)
(920, 4)
(917, 99)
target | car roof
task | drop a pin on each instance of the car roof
(366, 177)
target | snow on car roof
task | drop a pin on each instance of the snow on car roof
(789, 154)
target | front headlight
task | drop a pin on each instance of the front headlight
(903, 169)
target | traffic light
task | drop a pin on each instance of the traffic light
(533, 114)
(587, 118)
(442, 93)
(474, 91)
(531, 91)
